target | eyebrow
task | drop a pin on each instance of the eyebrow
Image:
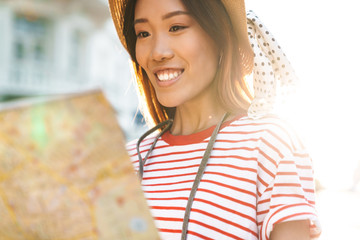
(166, 16)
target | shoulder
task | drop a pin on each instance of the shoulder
(145, 144)
(271, 130)
(131, 145)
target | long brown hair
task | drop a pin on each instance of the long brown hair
(233, 92)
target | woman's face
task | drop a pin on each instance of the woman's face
(178, 56)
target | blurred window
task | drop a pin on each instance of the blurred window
(31, 51)
(77, 45)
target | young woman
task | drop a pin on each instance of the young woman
(218, 168)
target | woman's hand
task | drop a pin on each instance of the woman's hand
(292, 230)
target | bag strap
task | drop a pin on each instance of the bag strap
(168, 123)
(198, 177)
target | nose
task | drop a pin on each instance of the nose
(161, 49)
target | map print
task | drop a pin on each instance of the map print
(65, 174)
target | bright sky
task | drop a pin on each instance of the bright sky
(322, 41)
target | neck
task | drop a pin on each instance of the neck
(197, 115)
(186, 122)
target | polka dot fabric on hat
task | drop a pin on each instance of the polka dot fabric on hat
(273, 76)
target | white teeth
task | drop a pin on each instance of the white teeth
(168, 75)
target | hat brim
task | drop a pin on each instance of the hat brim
(237, 13)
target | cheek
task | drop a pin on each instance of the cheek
(201, 47)
(203, 55)
(210, 52)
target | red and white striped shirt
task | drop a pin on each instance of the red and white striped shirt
(259, 174)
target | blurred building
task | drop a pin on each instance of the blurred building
(63, 46)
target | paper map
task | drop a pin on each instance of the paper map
(65, 174)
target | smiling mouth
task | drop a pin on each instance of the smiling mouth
(168, 75)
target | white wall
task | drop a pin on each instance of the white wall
(5, 41)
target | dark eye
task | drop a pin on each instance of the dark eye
(176, 28)
(142, 35)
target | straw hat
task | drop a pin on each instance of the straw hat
(237, 13)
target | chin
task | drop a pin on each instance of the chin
(168, 105)
(168, 102)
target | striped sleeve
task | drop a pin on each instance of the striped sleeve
(286, 190)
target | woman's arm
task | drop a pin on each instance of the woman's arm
(292, 230)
